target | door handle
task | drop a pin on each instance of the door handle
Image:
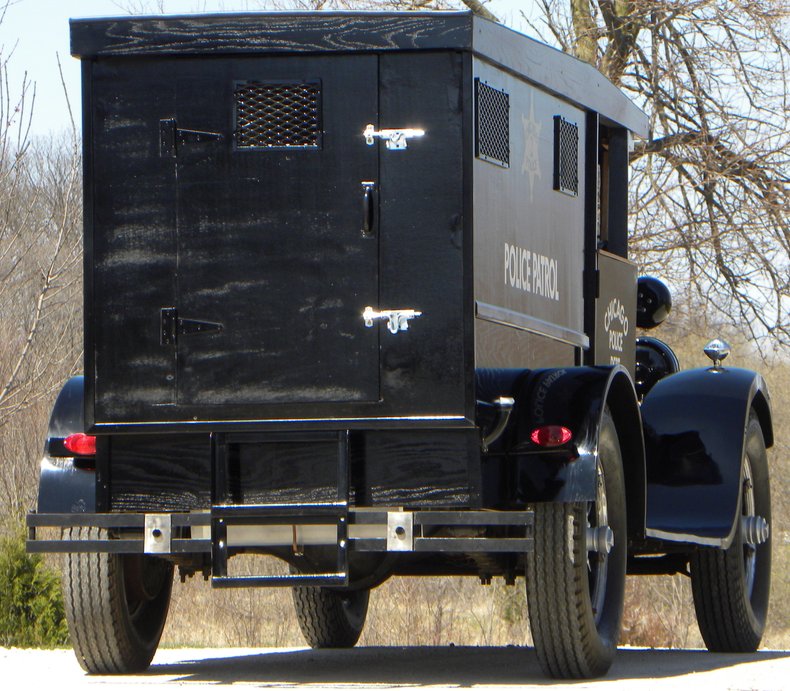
(368, 207)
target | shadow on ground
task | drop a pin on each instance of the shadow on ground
(458, 666)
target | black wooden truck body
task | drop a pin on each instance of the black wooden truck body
(349, 279)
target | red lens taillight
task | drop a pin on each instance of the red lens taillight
(81, 444)
(551, 435)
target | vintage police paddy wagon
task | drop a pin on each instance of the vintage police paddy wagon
(358, 296)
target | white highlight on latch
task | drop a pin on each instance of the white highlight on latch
(395, 139)
(397, 320)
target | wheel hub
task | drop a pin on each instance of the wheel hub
(755, 530)
(600, 539)
(753, 524)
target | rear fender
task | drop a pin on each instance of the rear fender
(574, 397)
(66, 487)
(694, 425)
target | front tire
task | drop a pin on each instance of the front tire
(116, 606)
(330, 618)
(731, 586)
(576, 590)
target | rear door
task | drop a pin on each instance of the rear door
(231, 264)
(274, 269)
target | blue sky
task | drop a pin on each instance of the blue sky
(38, 33)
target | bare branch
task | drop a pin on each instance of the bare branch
(480, 9)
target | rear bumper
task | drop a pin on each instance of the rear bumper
(270, 526)
(230, 529)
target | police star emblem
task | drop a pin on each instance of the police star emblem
(530, 164)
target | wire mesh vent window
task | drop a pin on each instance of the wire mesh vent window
(492, 124)
(278, 115)
(566, 156)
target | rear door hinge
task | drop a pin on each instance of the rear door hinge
(592, 284)
(172, 326)
(171, 137)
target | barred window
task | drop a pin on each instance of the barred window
(492, 124)
(566, 156)
(278, 114)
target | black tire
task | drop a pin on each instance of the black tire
(575, 596)
(116, 606)
(731, 586)
(330, 618)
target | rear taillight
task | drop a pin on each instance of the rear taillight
(81, 444)
(551, 435)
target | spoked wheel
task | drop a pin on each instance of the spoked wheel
(576, 573)
(116, 606)
(731, 586)
(330, 618)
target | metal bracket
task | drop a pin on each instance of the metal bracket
(395, 139)
(504, 405)
(171, 137)
(400, 531)
(157, 533)
(397, 320)
(172, 326)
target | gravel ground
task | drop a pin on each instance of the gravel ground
(375, 668)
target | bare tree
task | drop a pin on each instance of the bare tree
(710, 188)
(40, 330)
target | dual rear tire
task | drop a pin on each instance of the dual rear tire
(575, 588)
(330, 618)
(116, 606)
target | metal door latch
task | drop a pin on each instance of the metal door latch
(397, 320)
(395, 139)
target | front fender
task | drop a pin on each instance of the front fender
(694, 425)
(65, 487)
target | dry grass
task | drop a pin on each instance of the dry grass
(403, 611)
(659, 612)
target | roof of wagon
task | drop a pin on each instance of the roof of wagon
(319, 32)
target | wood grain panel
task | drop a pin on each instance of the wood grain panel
(271, 33)
(160, 473)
